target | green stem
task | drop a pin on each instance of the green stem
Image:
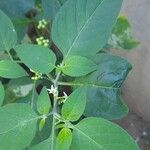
(54, 122)
(60, 2)
(33, 93)
(11, 58)
(90, 84)
(56, 80)
(54, 110)
(50, 77)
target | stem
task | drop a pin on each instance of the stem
(68, 83)
(11, 58)
(82, 84)
(56, 80)
(54, 110)
(60, 2)
(33, 92)
(54, 122)
(50, 77)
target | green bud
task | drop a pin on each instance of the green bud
(41, 124)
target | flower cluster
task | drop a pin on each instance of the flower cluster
(53, 90)
(37, 75)
(42, 41)
(42, 24)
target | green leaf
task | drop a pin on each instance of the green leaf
(17, 126)
(76, 66)
(74, 105)
(104, 84)
(122, 36)
(45, 145)
(41, 124)
(107, 103)
(8, 36)
(38, 58)
(85, 27)
(99, 134)
(17, 10)
(43, 102)
(18, 90)
(10, 69)
(2, 93)
(50, 8)
(44, 133)
(64, 139)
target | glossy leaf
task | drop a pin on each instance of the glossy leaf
(99, 134)
(64, 139)
(74, 106)
(85, 27)
(19, 121)
(2, 93)
(10, 69)
(43, 102)
(38, 58)
(104, 87)
(107, 103)
(8, 36)
(78, 66)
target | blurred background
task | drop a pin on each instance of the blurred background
(137, 86)
(136, 90)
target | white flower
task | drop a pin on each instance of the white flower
(53, 90)
(32, 70)
(65, 97)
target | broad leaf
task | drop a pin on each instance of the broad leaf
(78, 66)
(17, 126)
(38, 58)
(16, 10)
(99, 134)
(8, 36)
(2, 93)
(18, 90)
(43, 102)
(122, 36)
(74, 105)
(50, 8)
(44, 133)
(64, 139)
(104, 87)
(45, 145)
(10, 69)
(85, 27)
(107, 103)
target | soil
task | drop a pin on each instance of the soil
(138, 128)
